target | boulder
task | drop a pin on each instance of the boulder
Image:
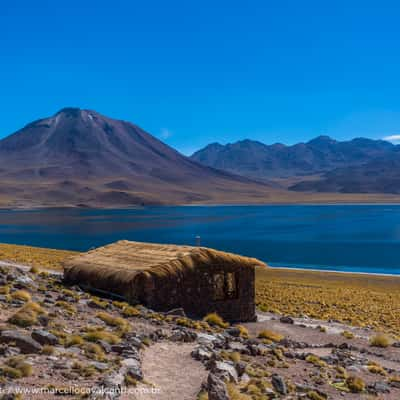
(279, 384)
(23, 341)
(216, 388)
(226, 370)
(44, 337)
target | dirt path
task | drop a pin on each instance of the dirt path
(171, 369)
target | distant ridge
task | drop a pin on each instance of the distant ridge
(257, 160)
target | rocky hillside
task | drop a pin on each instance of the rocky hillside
(80, 157)
(67, 342)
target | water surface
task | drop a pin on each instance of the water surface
(359, 238)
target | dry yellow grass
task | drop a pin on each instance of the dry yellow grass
(360, 300)
(34, 256)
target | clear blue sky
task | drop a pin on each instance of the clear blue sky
(194, 72)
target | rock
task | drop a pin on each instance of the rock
(226, 370)
(105, 346)
(233, 331)
(133, 368)
(239, 347)
(24, 342)
(201, 353)
(23, 282)
(279, 384)
(43, 320)
(100, 366)
(178, 312)
(378, 387)
(44, 337)
(216, 388)
(183, 335)
(286, 320)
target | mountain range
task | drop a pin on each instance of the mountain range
(321, 165)
(80, 157)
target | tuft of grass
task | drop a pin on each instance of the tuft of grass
(10, 372)
(313, 395)
(214, 319)
(74, 340)
(27, 315)
(116, 322)
(21, 295)
(130, 311)
(235, 394)
(48, 350)
(5, 290)
(348, 334)
(244, 333)
(380, 340)
(18, 363)
(34, 270)
(102, 335)
(355, 384)
(84, 370)
(270, 335)
(94, 351)
(375, 368)
(315, 360)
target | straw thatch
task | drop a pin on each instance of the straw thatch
(134, 269)
(119, 263)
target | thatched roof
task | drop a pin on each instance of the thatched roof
(118, 264)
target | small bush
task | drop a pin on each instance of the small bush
(74, 340)
(234, 393)
(380, 340)
(48, 350)
(315, 360)
(21, 295)
(27, 315)
(94, 351)
(214, 319)
(348, 334)
(110, 320)
(10, 372)
(313, 395)
(102, 335)
(130, 311)
(34, 270)
(355, 384)
(270, 335)
(244, 333)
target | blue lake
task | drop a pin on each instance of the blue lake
(360, 238)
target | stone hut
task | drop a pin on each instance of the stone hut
(164, 277)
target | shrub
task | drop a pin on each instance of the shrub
(34, 270)
(313, 395)
(130, 311)
(5, 289)
(25, 369)
(48, 350)
(234, 393)
(315, 360)
(21, 295)
(270, 335)
(244, 333)
(355, 384)
(27, 315)
(110, 320)
(348, 334)
(102, 335)
(10, 372)
(94, 351)
(380, 340)
(375, 368)
(214, 319)
(74, 340)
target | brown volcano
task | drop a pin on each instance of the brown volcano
(82, 157)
